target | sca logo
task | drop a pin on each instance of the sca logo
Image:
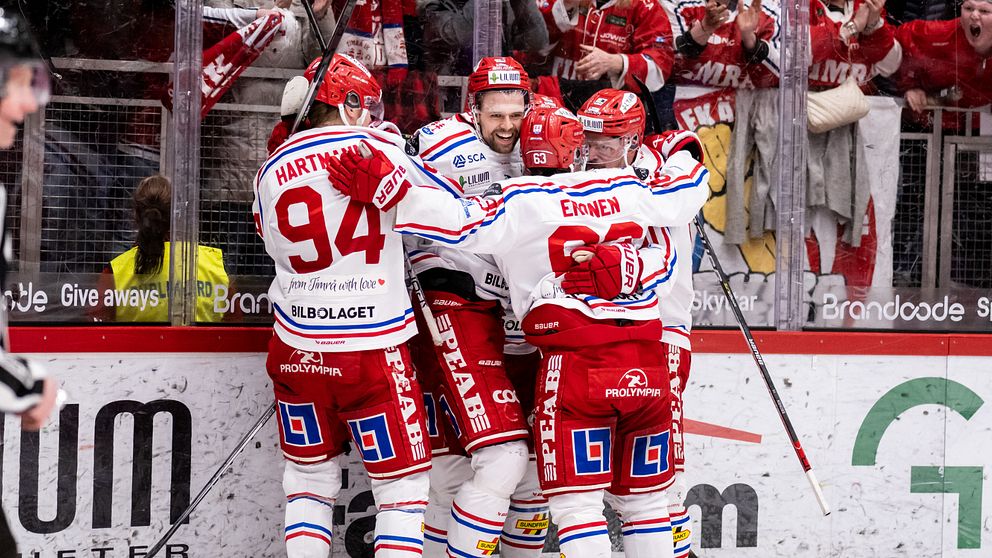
(965, 481)
(461, 160)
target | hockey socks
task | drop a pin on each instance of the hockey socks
(582, 528)
(480, 507)
(646, 527)
(398, 525)
(527, 520)
(448, 474)
(310, 493)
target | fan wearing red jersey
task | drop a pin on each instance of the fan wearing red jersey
(926, 75)
(338, 361)
(850, 39)
(717, 45)
(619, 40)
(613, 123)
(532, 226)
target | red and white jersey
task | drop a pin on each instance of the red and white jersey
(340, 282)
(833, 62)
(535, 223)
(722, 63)
(638, 30)
(939, 58)
(453, 147)
(674, 299)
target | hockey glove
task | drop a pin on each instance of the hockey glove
(368, 176)
(279, 135)
(606, 271)
(672, 141)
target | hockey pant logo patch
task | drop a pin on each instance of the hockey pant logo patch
(372, 436)
(591, 448)
(650, 456)
(299, 424)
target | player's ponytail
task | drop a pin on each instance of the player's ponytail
(152, 212)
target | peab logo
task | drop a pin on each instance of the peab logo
(965, 481)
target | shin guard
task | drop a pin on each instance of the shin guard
(479, 509)
(398, 524)
(646, 527)
(527, 520)
(310, 493)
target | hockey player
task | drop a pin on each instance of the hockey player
(25, 388)
(605, 425)
(338, 360)
(725, 44)
(613, 136)
(473, 497)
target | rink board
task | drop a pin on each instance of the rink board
(899, 435)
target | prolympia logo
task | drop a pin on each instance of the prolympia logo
(965, 481)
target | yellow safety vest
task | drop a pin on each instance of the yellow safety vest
(145, 298)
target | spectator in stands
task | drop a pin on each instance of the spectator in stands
(137, 281)
(449, 25)
(850, 39)
(597, 44)
(744, 52)
(948, 62)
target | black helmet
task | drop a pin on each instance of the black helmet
(16, 42)
(18, 48)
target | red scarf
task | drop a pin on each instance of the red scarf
(374, 36)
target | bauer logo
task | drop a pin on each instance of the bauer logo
(299, 424)
(591, 448)
(504, 77)
(372, 435)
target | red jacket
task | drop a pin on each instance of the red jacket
(722, 63)
(834, 61)
(640, 32)
(938, 57)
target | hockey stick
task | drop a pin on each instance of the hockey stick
(328, 49)
(411, 277)
(769, 383)
(728, 292)
(245, 440)
(325, 60)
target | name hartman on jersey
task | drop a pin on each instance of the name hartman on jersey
(592, 208)
(308, 164)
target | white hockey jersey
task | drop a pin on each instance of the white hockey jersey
(454, 149)
(340, 280)
(535, 223)
(675, 308)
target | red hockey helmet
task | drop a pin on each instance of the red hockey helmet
(614, 113)
(614, 120)
(496, 73)
(552, 138)
(544, 101)
(347, 83)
